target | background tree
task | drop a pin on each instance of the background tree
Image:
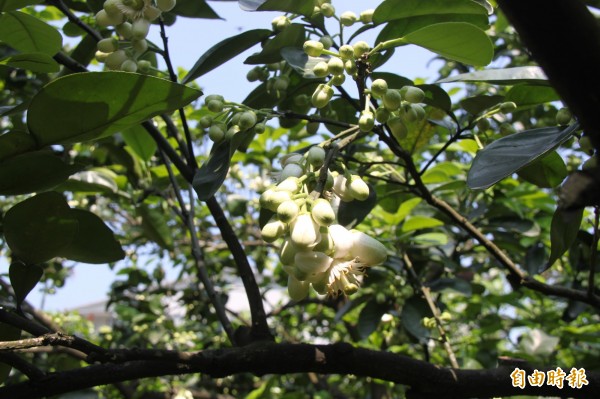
(467, 264)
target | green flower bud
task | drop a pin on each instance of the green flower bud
(483, 124)
(322, 212)
(291, 170)
(346, 52)
(280, 23)
(366, 121)
(508, 107)
(271, 199)
(407, 113)
(348, 18)
(316, 156)
(327, 41)
(290, 184)
(247, 120)
(329, 181)
(312, 262)
(298, 290)
(211, 97)
(321, 69)
(100, 56)
(378, 88)
(215, 105)
(350, 67)
(287, 253)
(563, 116)
(312, 127)
(292, 157)
(506, 129)
(281, 83)
(335, 66)
(392, 100)
(398, 128)
(108, 45)
(327, 10)
(273, 230)
(151, 13)
(358, 189)
(419, 111)
(313, 48)
(254, 74)
(366, 17)
(585, 144)
(322, 96)
(140, 28)
(382, 115)
(413, 94)
(165, 5)
(367, 249)
(112, 7)
(125, 29)
(260, 128)
(216, 133)
(287, 211)
(115, 60)
(305, 232)
(338, 80)
(144, 66)
(104, 20)
(206, 121)
(360, 48)
(340, 188)
(139, 46)
(129, 66)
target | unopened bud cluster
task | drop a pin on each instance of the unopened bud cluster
(316, 251)
(276, 75)
(347, 18)
(131, 19)
(230, 119)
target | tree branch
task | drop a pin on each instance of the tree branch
(426, 380)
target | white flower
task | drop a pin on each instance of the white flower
(343, 277)
(136, 9)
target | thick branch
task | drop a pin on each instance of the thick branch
(426, 380)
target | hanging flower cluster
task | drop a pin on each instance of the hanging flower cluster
(131, 19)
(316, 251)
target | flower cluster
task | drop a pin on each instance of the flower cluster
(316, 251)
(229, 120)
(131, 19)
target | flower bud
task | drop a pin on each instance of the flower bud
(273, 230)
(340, 188)
(313, 48)
(112, 7)
(327, 10)
(280, 23)
(342, 241)
(335, 66)
(322, 96)
(378, 88)
(322, 212)
(508, 107)
(108, 45)
(305, 232)
(287, 253)
(338, 80)
(151, 13)
(563, 116)
(312, 262)
(103, 19)
(392, 100)
(366, 121)
(346, 52)
(215, 106)
(327, 41)
(124, 29)
(350, 67)
(360, 48)
(382, 115)
(398, 128)
(326, 244)
(348, 18)
(407, 113)
(271, 199)
(115, 60)
(166, 5)
(298, 290)
(140, 28)
(358, 189)
(413, 94)
(291, 170)
(287, 211)
(216, 133)
(247, 120)
(129, 66)
(366, 17)
(367, 249)
(321, 69)
(291, 184)
(140, 46)
(316, 156)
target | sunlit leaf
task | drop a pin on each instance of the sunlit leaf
(140, 141)
(154, 224)
(194, 9)
(292, 36)
(546, 172)
(420, 222)
(506, 76)
(477, 104)
(505, 156)
(291, 6)
(301, 62)
(526, 95)
(29, 34)
(224, 51)
(391, 10)
(97, 180)
(87, 106)
(35, 62)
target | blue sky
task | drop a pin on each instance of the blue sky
(188, 40)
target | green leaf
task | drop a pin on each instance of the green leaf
(413, 311)
(140, 141)
(292, 6)
(477, 104)
(29, 34)
(12, 5)
(38, 228)
(154, 224)
(98, 180)
(527, 95)
(430, 239)
(33, 172)
(292, 36)
(394, 81)
(454, 284)
(194, 9)
(458, 41)
(23, 278)
(35, 62)
(301, 62)
(94, 241)
(224, 51)
(14, 143)
(87, 106)
(535, 258)
(369, 318)
(506, 76)
(7, 333)
(352, 213)
(419, 134)
(505, 156)
(390, 10)
(420, 222)
(211, 175)
(436, 97)
(547, 172)
(563, 232)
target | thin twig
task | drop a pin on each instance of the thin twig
(16, 361)
(74, 19)
(434, 310)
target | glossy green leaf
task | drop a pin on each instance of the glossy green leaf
(292, 36)
(140, 141)
(370, 317)
(38, 228)
(477, 104)
(436, 97)
(563, 232)
(98, 180)
(546, 172)
(94, 241)
(154, 224)
(527, 95)
(420, 222)
(194, 9)
(12, 5)
(35, 62)
(14, 143)
(87, 106)
(394, 81)
(33, 172)
(413, 312)
(301, 62)
(352, 213)
(451, 284)
(506, 76)
(291, 6)
(29, 34)
(7, 333)
(224, 51)
(391, 10)
(458, 41)
(430, 239)
(211, 175)
(505, 156)
(6, 110)
(23, 278)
